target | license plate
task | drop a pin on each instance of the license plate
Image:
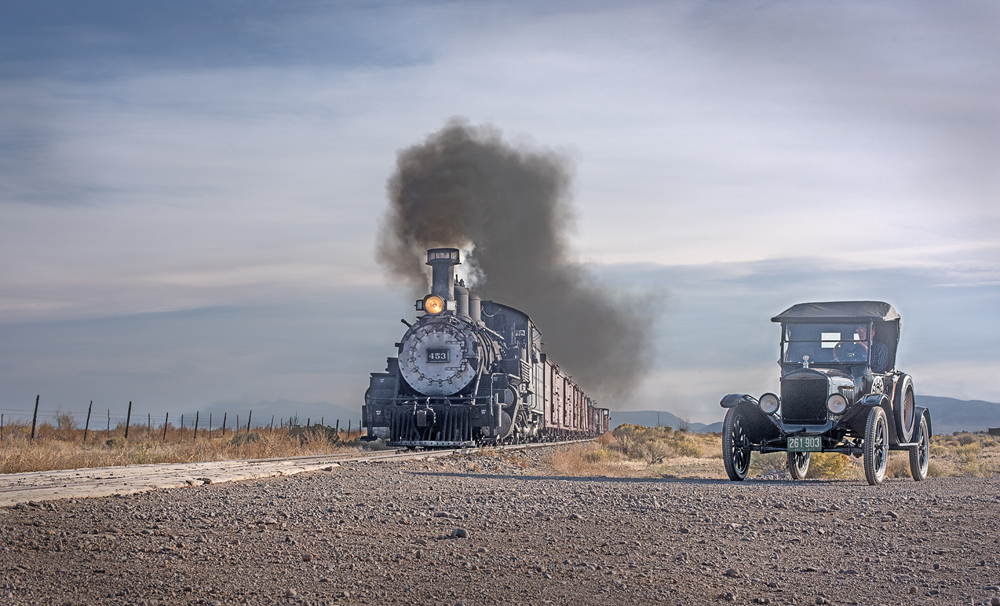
(805, 444)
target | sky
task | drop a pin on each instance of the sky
(190, 192)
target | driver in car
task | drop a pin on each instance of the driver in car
(878, 357)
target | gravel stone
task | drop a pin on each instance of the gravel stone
(374, 538)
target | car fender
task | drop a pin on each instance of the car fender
(735, 399)
(759, 427)
(920, 411)
(885, 403)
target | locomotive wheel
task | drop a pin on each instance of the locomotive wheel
(920, 455)
(736, 445)
(876, 446)
(798, 465)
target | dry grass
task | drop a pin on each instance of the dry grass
(634, 451)
(64, 448)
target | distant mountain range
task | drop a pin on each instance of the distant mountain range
(948, 415)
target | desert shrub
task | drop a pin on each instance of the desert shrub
(573, 461)
(146, 454)
(600, 455)
(316, 432)
(898, 466)
(938, 450)
(606, 439)
(654, 451)
(967, 450)
(828, 465)
(935, 470)
(117, 442)
(767, 463)
(625, 435)
(967, 438)
(243, 439)
(65, 421)
(686, 447)
(974, 468)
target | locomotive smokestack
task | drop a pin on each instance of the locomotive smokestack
(441, 261)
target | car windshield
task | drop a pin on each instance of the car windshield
(825, 343)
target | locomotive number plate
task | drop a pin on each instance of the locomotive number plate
(805, 444)
(438, 356)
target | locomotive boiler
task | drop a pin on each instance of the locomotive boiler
(470, 372)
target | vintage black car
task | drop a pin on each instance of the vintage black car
(840, 392)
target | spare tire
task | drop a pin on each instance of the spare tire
(903, 409)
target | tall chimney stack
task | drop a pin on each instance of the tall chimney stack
(441, 261)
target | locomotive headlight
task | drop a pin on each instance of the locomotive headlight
(836, 404)
(768, 403)
(433, 304)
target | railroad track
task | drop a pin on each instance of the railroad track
(107, 481)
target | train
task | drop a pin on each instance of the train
(471, 372)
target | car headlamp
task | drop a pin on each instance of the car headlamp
(768, 403)
(433, 304)
(836, 404)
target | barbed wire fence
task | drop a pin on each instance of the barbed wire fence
(104, 423)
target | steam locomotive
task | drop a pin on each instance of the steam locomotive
(472, 372)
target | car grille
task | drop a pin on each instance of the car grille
(803, 401)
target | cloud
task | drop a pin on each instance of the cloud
(167, 160)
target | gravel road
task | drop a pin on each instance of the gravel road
(491, 529)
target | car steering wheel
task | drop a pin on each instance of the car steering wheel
(848, 351)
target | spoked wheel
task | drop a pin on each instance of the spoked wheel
(798, 464)
(736, 445)
(876, 446)
(920, 455)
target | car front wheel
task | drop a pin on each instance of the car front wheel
(876, 446)
(736, 445)
(798, 465)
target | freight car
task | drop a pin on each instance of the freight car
(472, 372)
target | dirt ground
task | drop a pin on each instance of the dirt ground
(501, 528)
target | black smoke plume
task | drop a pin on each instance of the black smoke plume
(466, 187)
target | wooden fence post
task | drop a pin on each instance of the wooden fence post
(34, 417)
(149, 426)
(224, 424)
(250, 416)
(270, 431)
(86, 428)
(165, 421)
(348, 429)
(196, 414)
(1, 427)
(107, 435)
(128, 418)
(182, 427)
(209, 426)
(322, 420)
(237, 432)
(338, 427)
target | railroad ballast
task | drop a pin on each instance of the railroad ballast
(472, 372)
